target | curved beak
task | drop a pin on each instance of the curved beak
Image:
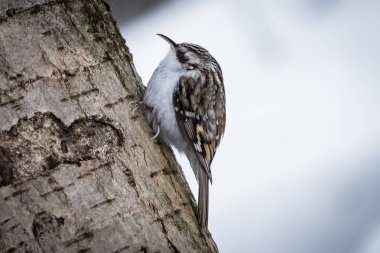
(168, 40)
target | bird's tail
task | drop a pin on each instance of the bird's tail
(203, 199)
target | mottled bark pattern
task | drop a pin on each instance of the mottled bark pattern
(77, 172)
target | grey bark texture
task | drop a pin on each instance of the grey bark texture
(78, 173)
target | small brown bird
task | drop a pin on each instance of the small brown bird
(187, 101)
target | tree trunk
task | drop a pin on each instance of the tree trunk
(77, 172)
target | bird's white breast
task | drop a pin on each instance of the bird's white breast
(159, 95)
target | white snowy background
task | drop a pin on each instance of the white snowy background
(298, 170)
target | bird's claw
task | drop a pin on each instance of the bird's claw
(142, 106)
(139, 106)
(157, 133)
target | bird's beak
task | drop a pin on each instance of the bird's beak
(172, 44)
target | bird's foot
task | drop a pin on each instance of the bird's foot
(139, 106)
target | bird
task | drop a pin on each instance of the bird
(186, 101)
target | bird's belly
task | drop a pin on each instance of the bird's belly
(158, 95)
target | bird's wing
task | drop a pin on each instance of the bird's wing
(199, 108)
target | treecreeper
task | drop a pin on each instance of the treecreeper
(184, 104)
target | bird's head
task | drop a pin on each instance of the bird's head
(189, 55)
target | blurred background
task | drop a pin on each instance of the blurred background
(299, 167)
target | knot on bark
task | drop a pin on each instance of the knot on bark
(41, 143)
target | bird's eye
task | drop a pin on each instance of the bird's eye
(183, 58)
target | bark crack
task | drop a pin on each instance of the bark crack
(172, 247)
